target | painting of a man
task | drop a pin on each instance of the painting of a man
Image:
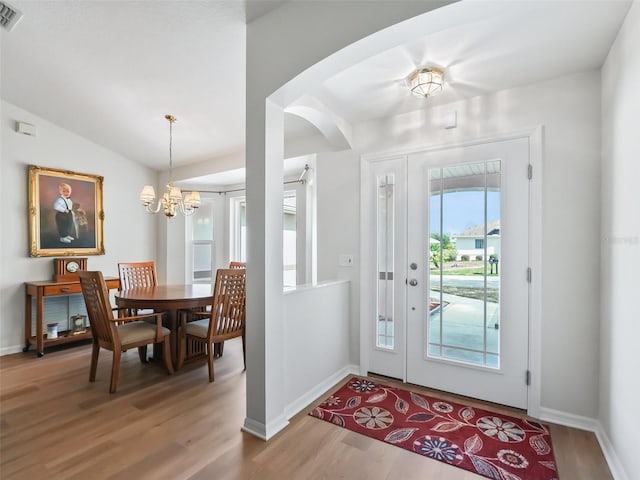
(66, 210)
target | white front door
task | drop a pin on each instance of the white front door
(452, 303)
(467, 315)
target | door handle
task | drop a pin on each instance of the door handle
(413, 282)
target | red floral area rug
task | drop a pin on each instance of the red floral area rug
(487, 443)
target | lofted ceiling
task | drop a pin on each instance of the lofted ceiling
(111, 70)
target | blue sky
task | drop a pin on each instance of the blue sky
(463, 210)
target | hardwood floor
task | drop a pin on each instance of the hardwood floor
(56, 425)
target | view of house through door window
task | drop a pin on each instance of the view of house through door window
(464, 244)
(289, 237)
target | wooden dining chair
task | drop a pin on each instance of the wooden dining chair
(218, 349)
(118, 334)
(223, 321)
(137, 275)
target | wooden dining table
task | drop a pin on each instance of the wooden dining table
(169, 299)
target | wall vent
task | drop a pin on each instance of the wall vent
(9, 16)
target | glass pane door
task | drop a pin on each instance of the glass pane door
(464, 248)
(467, 290)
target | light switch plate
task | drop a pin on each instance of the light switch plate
(345, 260)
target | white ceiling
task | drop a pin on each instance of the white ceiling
(111, 70)
(525, 42)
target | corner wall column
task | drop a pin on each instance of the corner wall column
(265, 323)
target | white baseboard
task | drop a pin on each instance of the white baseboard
(304, 400)
(617, 470)
(265, 432)
(591, 425)
(262, 431)
(9, 350)
(569, 419)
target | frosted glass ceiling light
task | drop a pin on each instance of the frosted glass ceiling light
(171, 201)
(426, 82)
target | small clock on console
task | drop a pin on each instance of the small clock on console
(66, 269)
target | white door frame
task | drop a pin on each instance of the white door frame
(367, 250)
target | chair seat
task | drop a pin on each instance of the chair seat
(198, 328)
(134, 332)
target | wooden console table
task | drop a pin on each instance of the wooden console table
(40, 290)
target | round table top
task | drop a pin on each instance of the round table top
(201, 292)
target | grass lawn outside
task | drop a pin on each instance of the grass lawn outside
(463, 268)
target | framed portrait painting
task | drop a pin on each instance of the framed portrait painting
(65, 213)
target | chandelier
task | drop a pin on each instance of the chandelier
(426, 82)
(171, 201)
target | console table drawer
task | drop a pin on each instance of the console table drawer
(65, 289)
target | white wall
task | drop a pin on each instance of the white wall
(129, 232)
(338, 200)
(316, 343)
(620, 261)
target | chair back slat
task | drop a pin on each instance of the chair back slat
(137, 275)
(237, 265)
(96, 299)
(228, 308)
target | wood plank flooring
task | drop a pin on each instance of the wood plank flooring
(56, 425)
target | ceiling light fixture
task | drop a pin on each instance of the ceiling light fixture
(171, 201)
(426, 82)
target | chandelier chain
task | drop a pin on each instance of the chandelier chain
(171, 119)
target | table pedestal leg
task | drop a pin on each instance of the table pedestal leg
(170, 321)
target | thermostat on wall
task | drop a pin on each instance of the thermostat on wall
(26, 129)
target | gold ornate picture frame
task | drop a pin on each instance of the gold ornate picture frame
(65, 213)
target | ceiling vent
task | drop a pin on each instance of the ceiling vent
(9, 16)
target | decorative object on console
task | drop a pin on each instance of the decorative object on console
(77, 324)
(426, 82)
(52, 331)
(171, 201)
(65, 213)
(66, 269)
